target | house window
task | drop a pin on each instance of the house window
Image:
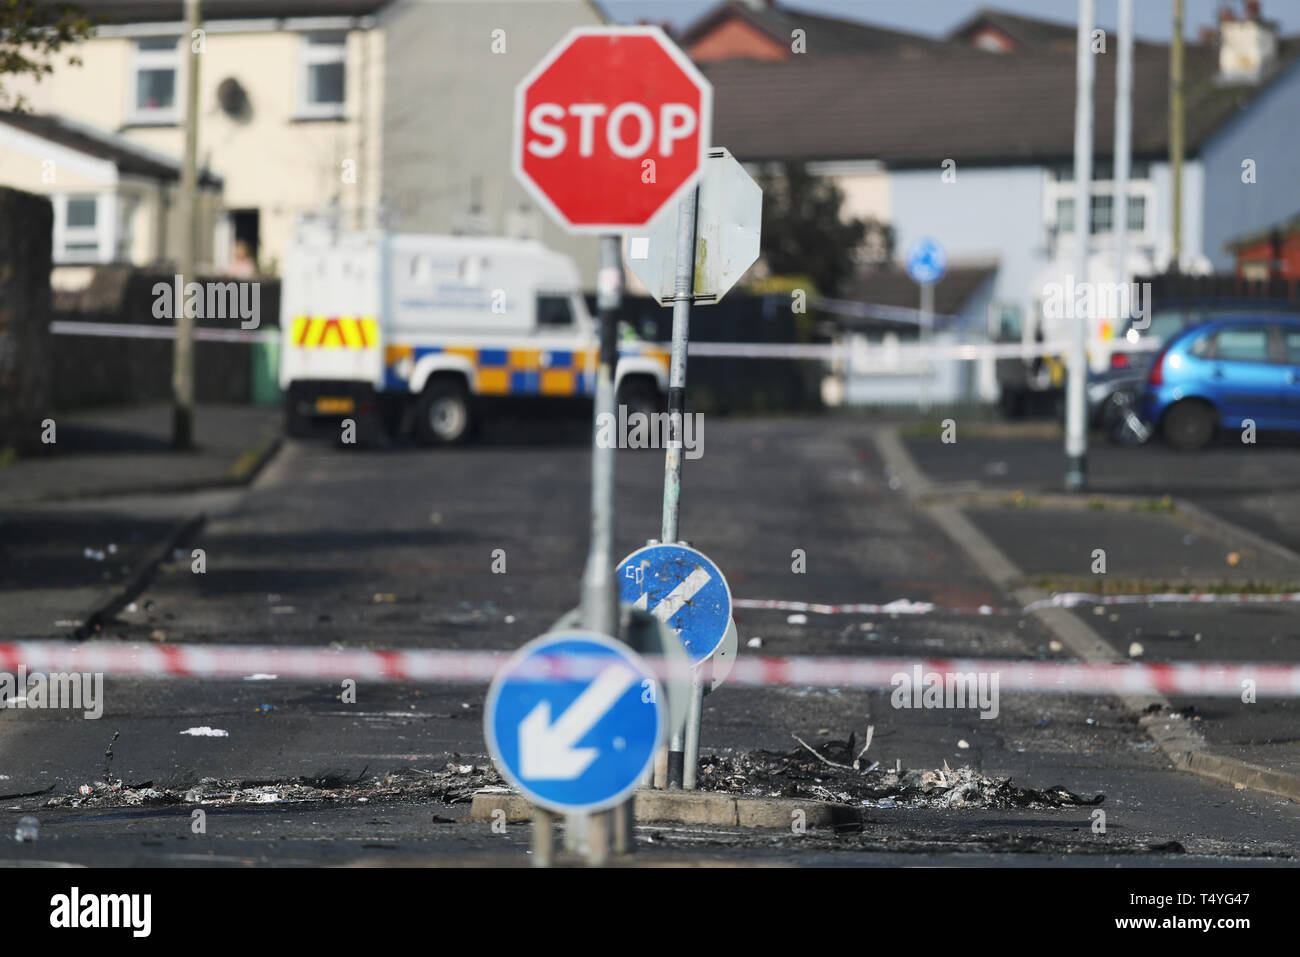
(1059, 201)
(324, 75)
(78, 228)
(155, 70)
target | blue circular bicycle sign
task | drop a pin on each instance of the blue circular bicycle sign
(682, 588)
(573, 720)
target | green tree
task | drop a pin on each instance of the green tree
(804, 233)
(32, 32)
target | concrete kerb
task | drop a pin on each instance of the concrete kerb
(708, 808)
(1173, 735)
(109, 604)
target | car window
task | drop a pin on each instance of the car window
(1291, 340)
(1242, 344)
(554, 311)
(1203, 346)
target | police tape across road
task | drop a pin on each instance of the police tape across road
(886, 355)
(1072, 599)
(479, 667)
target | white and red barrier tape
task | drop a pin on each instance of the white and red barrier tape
(860, 355)
(126, 330)
(426, 665)
(904, 606)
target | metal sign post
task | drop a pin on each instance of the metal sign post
(599, 603)
(926, 264)
(694, 260)
(682, 285)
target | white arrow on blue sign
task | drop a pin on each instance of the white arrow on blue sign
(574, 743)
(926, 261)
(682, 588)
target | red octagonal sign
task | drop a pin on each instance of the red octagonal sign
(611, 126)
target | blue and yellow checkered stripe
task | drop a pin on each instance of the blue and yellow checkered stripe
(512, 371)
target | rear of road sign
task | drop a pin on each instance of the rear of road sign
(727, 231)
(574, 743)
(683, 587)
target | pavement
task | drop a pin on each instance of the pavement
(1210, 523)
(70, 549)
(394, 547)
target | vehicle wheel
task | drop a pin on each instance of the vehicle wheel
(296, 425)
(442, 415)
(1012, 403)
(1189, 425)
(639, 394)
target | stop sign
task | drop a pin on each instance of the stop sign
(612, 125)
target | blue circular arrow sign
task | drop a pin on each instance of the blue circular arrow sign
(682, 588)
(574, 743)
(926, 261)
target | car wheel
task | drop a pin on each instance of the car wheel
(1012, 403)
(442, 416)
(1189, 425)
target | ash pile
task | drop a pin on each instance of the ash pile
(830, 774)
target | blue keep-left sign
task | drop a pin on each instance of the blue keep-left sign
(926, 261)
(682, 588)
(573, 721)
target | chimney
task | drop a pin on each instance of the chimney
(1247, 45)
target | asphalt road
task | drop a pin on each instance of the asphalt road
(394, 548)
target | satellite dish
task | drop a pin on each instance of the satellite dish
(232, 98)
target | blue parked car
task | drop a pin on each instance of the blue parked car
(1222, 372)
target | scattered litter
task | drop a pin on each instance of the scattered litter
(383, 597)
(84, 789)
(28, 829)
(456, 783)
(157, 635)
(963, 744)
(797, 619)
(265, 707)
(1135, 649)
(510, 619)
(67, 623)
(826, 771)
(206, 732)
(95, 555)
(1055, 645)
(986, 609)
(260, 676)
(112, 548)
(1099, 610)
(904, 607)
(754, 642)
(131, 608)
(1233, 558)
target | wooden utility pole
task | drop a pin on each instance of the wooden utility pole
(1176, 134)
(183, 352)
